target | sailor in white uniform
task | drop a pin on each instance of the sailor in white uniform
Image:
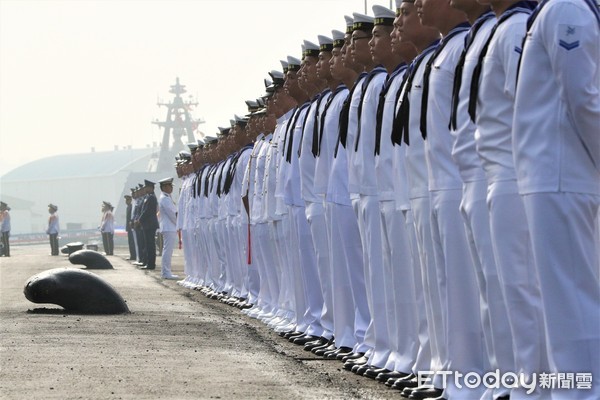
(494, 312)
(362, 184)
(183, 207)
(280, 106)
(307, 283)
(557, 159)
(456, 272)
(393, 204)
(492, 106)
(351, 314)
(407, 138)
(167, 221)
(315, 212)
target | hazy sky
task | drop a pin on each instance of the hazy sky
(80, 74)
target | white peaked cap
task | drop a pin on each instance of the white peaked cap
(383, 12)
(277, 74)
(358, 17)
(338, 35)
(324, 40)
(310, 46)
(293, 61)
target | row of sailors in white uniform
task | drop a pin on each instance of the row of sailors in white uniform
(419, 255)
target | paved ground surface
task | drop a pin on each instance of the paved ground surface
(175, 344)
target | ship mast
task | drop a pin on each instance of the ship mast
(178, 123)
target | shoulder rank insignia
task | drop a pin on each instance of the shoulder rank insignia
(568, 46)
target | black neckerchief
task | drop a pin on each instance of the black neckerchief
(401, 120)
(374, 72)
(345, 115)
(381, 105)
(483, 18)
(425, 97)
(290, 135)
(517, 8)
(316, 145)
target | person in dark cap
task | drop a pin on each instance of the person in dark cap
(107, 228)
(129, 226)
(149, 224)
(5, 229)
(168, 226)
(53, 229)
(138, 234)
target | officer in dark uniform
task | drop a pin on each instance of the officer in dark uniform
(149, 224)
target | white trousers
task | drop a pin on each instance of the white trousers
(369, 225)
(235, 260)
(422, 360)
(209, 253)
(350, 309)
(137, 248)
(169, 240)
(459, 291)
(315, 216)
(269, 280)
(302, 322)
(226, 283)
(252, 282)
(228, 248)
(187, 244)
(280, 231)
(399, 289)
(434, 342)
(513, 253)
(308, 268)
(204, 255)
(494, 313)
(564, 233)
(219, 250)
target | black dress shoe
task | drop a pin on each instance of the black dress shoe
(352, 356)
(321, 351)
(147, 268)
(348, 365)
(425, 393)
(403, 383)
(315, 343)
(362, 369)
(292, 333)
(296, 336)
(327, 351)
(384, 377)
(304, 339)
(325, 346)
(373, 372)
(336, 354)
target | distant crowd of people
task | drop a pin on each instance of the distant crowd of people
(145, 216)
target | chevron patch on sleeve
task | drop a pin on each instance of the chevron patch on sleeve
(568, 36)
